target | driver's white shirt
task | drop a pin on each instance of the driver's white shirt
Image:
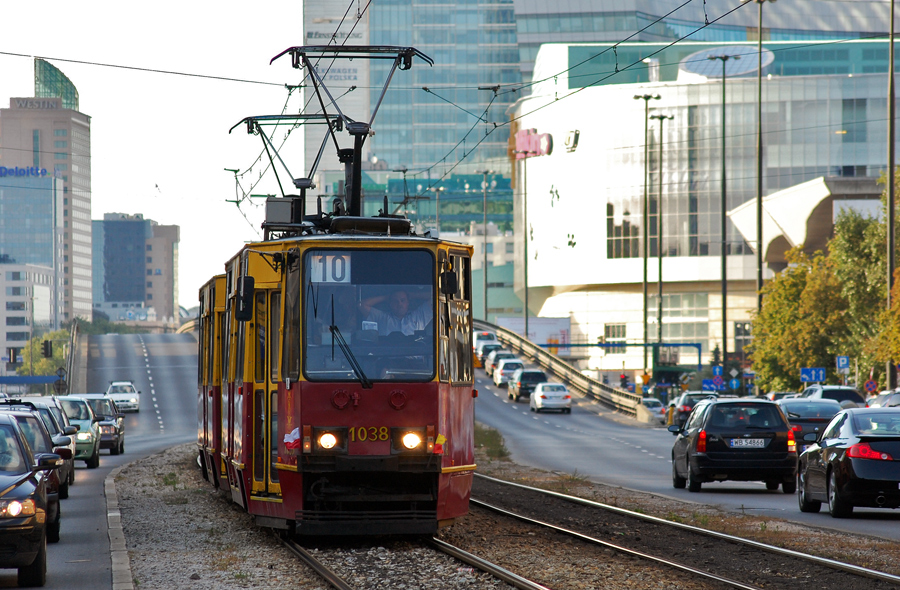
(414, 320)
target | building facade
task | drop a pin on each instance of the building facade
(824, 116)
(28, 308)
(47, 137)
(135, 265)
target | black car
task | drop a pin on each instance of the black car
(523, 382)
(685, 403)
(808, 415)
(23, 503)
(487, 349)
(855, 461)
(50, 415)
(737, 440)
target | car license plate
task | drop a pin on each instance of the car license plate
(748, 442)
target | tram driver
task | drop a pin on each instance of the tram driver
(400, 318)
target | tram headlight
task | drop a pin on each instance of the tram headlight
(327, 441)
(411, 440)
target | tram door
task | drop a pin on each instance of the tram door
(267, 316)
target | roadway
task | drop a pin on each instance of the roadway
(164, 368)
(608, 448)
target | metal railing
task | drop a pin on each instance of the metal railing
(617, 399)
(72, 356)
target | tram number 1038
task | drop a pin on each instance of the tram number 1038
(370, 434)
(330, 268)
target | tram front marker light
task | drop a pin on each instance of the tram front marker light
(327, 441)
(411, 440)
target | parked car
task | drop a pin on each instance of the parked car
(523, 382)
(777, 395)
(87, 441)
(842, 394)
(482, 337)
(112, 423)
(737, 440)
(808, 415)
(892, 400)
(39, 442)
(655, 407)
(494, 358)
(686, 402)
(61, 433)
(23, 522)
(126, 396)
(851, 463)
(877, 400)
(505, 369)
(550, 396)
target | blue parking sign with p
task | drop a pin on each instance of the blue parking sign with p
(843, 362)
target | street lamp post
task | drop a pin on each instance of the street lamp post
(659, 231)
(891, 205)
(484, 272)
(724, 59)
(646, 216)
(437, 208)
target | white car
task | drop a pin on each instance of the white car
(505, 370)
(482, 338)
(551, 396)
(126, 396)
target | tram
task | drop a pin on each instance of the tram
(336, 391)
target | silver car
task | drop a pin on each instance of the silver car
(551, 396)
(504, 371)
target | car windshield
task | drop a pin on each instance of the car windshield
(877, 423)
(31, 428)
(533, 377)
(554, 388)
(10, 455)
(57, 413)
(811, 409)
(75, 410)
(652, 403)
(101, 407)
(739, 416)
(47, 419)
(121, 389)
(842, 395)
(511, 366)
(369, 313)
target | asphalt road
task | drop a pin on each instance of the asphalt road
(607, 448)
(164, 369)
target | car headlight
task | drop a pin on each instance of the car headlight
(13, 508)
(84, 436)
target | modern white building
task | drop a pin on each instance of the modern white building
(824, 117)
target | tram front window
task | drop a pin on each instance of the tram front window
(369, 315)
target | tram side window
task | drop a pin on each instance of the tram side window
(259, 363)
(292, 317)
(460, 337)
(274, 333)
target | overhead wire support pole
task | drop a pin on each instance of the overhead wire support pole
(659, 230)
(724, 59)
(891, 198)
(484, 273)
(645, 218)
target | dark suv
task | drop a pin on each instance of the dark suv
(685, 403)
(523, 382)
(737, 440)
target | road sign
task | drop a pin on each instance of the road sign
(734, 383)
(734, 373)
(708, 385)
(718, 381)
(717, 371)
(685, 377)
(59, 386)
(646, 389)
(814, 375)
(61, 373)
(842, 362)
(645, 378)
(871, 386)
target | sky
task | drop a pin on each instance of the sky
(160, 142)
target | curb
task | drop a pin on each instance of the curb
(121, 563)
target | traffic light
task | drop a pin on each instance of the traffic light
(623, 381)
(47, 348)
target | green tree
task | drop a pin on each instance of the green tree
(33, 361)
(804, 316)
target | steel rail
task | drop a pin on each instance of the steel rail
(319, 567)
(619, 548)
(824, 561)
(486, 566)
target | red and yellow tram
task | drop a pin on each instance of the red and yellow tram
(336, 382)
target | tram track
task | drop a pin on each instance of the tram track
(726, 559)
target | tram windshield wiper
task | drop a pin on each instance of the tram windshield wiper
(348, 354)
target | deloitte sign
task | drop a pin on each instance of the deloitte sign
(32, 171)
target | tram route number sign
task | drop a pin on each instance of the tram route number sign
(330, 268)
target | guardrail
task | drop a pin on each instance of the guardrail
(617, 399)
(71, 356)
